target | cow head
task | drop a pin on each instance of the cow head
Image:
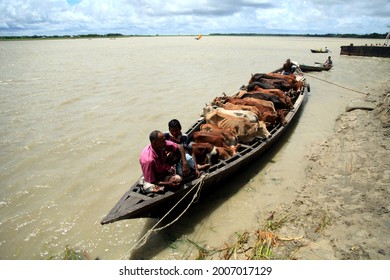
(208, 109)
(205, 153)
(262, 130)
(219, 100)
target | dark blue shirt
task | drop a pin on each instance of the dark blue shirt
(184, 140)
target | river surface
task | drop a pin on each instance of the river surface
(75, 115)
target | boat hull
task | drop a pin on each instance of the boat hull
(318, 51)
(310, 68)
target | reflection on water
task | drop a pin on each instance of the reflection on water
(75, 115)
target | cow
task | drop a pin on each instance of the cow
(245, 130)
(273, 119)
(270, 117)
(253, 109)
(275, 80)
(261, 105)
(217, 139)
(252, 117)
(251, 86)
(204, 154)
(291, 79)
(256, 86)
(271, 81)
(274, 91)
(268, 114)
(280, 102)
(229, 133)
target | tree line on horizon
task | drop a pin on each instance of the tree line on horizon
(117, 35)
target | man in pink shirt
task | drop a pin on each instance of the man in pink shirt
(157, 168)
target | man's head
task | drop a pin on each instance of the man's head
(157, 139)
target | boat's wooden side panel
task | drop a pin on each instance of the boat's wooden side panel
(309, 68)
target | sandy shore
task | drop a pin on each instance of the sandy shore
(342, 211)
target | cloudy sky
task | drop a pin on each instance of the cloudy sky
(187, 17)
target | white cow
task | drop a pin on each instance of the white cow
(246, 131)
(252, 117)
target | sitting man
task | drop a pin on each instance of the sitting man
(174, 134)
(158, 163)
(288, 67)
(328, 62)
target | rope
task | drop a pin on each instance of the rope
(145, 237)
(335, 84)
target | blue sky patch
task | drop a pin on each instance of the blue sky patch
(73, 2)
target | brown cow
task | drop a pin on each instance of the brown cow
(291, 79)
(204, 153)
(229, 133)
(271, 81)
(253, 109)
(280, 99)
(276, 80)
(216, 138)
(261, 105)
(268, 114)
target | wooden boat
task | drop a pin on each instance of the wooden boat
(371, 51)
(136, 204)
(319, 51)
(314, 68)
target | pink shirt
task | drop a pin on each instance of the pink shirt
(153, 164)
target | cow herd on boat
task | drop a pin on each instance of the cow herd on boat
(252, 112)
(231, 121)
(228, 123)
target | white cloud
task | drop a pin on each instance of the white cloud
(59, 17)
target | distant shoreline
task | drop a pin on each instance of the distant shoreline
(117, 35)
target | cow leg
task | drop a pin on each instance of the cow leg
(282, 115)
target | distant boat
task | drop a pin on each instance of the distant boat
(199, 37)
(317, 68)
(320, 50)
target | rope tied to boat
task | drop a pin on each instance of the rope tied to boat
(195, 198)
(335, 84)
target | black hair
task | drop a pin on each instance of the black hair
(174, 124)
(153, 136)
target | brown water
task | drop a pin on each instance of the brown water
(75, 115)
